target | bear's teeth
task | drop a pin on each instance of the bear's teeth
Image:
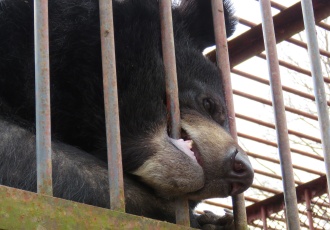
(189, 143)
(185, 147)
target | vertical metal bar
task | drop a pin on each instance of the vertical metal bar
(264, 217)
(115, 169)
(43, 128)
(224, 66)
(319, 91)
(309, 209)
(290, 196)
(172, 97)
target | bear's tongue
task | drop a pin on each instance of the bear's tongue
(184, 146)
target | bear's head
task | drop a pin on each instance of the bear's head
(206, 162)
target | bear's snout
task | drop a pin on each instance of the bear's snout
(241, 173)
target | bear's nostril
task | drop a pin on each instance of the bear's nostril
(241, 173)
(239, 167)
(239, 162)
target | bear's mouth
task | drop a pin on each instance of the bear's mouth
(187, 146)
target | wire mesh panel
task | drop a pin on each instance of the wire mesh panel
(320, 215)
(320, 210)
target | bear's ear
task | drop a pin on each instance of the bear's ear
(196, 16)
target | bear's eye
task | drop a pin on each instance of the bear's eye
(209, 105)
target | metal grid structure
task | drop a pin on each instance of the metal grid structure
(257, 127)
(266, 201)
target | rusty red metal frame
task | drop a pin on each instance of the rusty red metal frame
(308, 208)
(286, 24)
(281, 7)
(275, 203)
(291, 40)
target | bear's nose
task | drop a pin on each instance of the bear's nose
(241, 172)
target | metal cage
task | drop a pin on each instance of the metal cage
(279, 209)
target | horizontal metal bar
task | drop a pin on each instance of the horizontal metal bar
(291, 40)
(266, 189)
(281, 7)
(278, 162)
(294, 67)
(26, 210)
(272, 126)
(270, 143)
(275, 176)
(267, 102)
(217, 204)
(266, 82)
(251, 199)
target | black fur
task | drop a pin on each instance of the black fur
(78, 126)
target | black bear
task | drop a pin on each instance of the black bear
(205, 163)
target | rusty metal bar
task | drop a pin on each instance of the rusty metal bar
(319, 91)
(224, 67)
(217, 204)
(247, 198)
(267, 189)
(278, 162)
(263, 141)
(115, 169)
(43, 125)
(172, 98)
(267, 102)
(264, 217)
(272, 175)
(295, 68)
(266, 82)
(291, 40)
(281, 7)
(309, 209)
(272, 126)
(290, 196)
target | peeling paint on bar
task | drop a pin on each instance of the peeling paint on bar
(117, 199)
(43, 129)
